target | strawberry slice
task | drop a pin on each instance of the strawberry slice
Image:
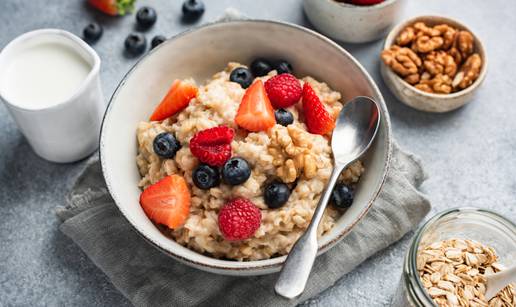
(317, 118)
(177, 98)
(167, 201)
(255, 112)
(113, 7)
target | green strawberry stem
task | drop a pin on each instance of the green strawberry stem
(125, 6)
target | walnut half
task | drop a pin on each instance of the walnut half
(402, 60)
(469, 72)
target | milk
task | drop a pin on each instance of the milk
(44, 75)
(50, 83)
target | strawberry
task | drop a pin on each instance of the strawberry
(113, 7)
(364, 2)
(177, 98)
(239, 219)
(283, 90)
(255, 112)
(167, 201)
(212, 146)
(317, 118)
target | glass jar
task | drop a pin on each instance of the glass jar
(480, 225)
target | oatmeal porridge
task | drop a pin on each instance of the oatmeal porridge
(272, 170)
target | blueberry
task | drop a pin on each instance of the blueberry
(146, 17)
(135, 44)
(260, 67)
(276, 194)
(283, 67)
(206, 177)
(236, 171)
(342, 196)
(242, 76)
(156, 40)
(165, 145)
(92, 32)
(283, 117)
(193, 9)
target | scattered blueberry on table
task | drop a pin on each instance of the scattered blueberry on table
(283, 117)
(146, 17)
(92, 32)
(165, 145)
(135, 44)
(236, 171)
(157, 40)
(193, 9)
(242, 76)
(276, 194)
(206, 177)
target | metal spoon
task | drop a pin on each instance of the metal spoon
(498, 281)
(355, 130)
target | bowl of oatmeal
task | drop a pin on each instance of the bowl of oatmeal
(218, 158)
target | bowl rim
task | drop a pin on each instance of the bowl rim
(254, 267)
(482, 51)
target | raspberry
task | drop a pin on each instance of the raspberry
(317, 118)
(283, 90)
(212, 146)
(239, 219)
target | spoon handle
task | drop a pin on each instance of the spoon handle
(297, 266)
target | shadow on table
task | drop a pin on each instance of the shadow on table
(26, 178)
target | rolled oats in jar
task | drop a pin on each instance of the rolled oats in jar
(449, 256)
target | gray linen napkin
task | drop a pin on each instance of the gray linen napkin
(147, 277)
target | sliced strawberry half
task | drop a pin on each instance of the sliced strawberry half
(317, 118)
(177, 98)
(167, 201)
(255, 112)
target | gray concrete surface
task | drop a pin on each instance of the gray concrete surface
(469, 153)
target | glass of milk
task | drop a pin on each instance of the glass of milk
(49, 81)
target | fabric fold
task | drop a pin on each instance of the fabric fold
(148, 277)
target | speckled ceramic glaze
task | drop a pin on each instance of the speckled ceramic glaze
(185, 56)
(423, 101)
(352, 23)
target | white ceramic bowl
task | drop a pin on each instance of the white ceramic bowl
(429, 102)
(199, 54)
(353, 23)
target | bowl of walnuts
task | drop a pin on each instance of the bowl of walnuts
(433, 63)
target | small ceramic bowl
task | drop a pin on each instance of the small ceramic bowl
(353, 23)
(429, 102)
(185, 56)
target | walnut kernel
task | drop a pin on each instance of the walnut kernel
(469, 72)
(402, 60)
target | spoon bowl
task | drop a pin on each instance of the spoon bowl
(354, 132)
(355, 129)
